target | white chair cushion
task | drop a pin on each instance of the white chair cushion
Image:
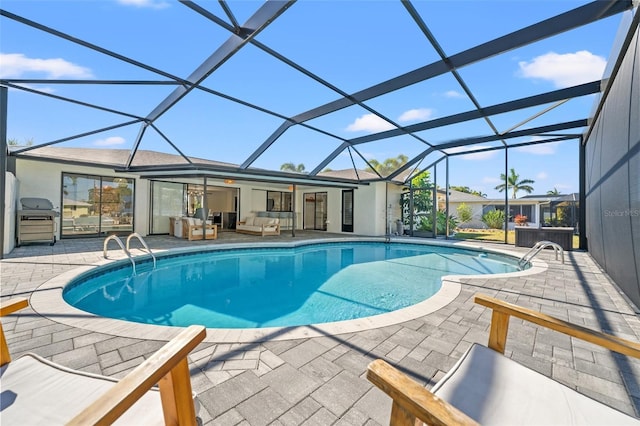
(198, 231)
(249, 221)
(36, 391)
(494, 390)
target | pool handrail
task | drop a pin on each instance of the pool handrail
(538, 247)
(119, 241)
(139, 237)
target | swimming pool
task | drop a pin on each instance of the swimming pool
(278, 286)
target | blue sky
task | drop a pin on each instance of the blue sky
(350, 44)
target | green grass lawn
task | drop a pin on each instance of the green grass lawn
(495, 235)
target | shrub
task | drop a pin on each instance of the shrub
(494, 219)
(465, 214)
(441, 220)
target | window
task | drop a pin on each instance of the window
(279, 201)
(96, 205)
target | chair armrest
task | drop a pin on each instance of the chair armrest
(412, 401)
(500, 324)
(169, 368)
(13, 306)
(6, 309)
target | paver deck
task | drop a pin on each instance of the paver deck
(320, 380)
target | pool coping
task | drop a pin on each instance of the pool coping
(47, 300)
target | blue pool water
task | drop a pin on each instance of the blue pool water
(253, 288)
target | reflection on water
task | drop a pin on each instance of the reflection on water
(280, 287)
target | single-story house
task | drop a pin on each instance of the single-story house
(540, 210)
(97, 196)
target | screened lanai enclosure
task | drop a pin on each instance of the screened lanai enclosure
(426, 95)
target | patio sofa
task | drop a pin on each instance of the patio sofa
(257, 225)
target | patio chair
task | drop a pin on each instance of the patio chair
(193, 228)
(488, 388)
(37, 391)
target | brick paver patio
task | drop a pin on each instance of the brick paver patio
(320, 380)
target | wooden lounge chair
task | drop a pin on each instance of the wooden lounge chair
(488, 388)
(37, 391)
(193, 228)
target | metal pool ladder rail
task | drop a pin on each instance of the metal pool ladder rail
(538, 247)
(126, 249)
(119, 241)
(139, 237)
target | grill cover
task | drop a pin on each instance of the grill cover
(32, 203)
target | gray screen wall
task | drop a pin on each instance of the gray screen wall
(613, 179)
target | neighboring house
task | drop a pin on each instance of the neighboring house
(97, 196)
(456, 199)
(540, 210)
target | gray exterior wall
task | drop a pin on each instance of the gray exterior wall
(612, 181)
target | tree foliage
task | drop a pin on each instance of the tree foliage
(292, 167)
(514, 183)
(388, 166)
(553, 191)
(16, 142)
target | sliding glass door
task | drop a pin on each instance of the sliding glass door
(96, 205)
(168, 200)
(315, 211)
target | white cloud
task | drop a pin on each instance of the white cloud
(369, 123)
(416, 115)
(372, 123)
(453, 94)
(16, 65)
(111, 141)
(478, 156)
(153, 4)
(565, 70)
(542, 176)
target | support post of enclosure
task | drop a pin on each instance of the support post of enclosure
(3, 163)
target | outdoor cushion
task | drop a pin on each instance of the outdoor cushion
(493, 389)
(249, 220)
(31, 394)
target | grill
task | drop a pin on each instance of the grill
(36, 222)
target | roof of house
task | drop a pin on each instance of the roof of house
(462, 197)
(114, 157)
(117, 159)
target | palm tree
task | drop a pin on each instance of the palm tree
(389, 165)
(291, 167)
(514, 184)
(553, 191)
